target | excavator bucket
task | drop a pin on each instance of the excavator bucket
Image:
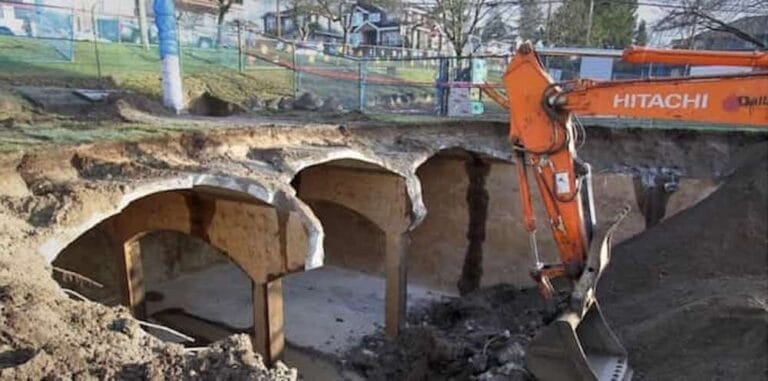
(579, 345)
(579, 349)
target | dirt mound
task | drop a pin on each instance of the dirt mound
(481, 335)
(689, 297)
(42, 336)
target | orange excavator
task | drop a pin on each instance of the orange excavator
(579, 345)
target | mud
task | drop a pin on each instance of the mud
(479, 336)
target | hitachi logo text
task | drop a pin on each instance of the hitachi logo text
(670, 101)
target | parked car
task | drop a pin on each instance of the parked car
(9, 24)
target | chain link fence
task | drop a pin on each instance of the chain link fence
(40, 42)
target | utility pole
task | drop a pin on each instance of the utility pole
(589, 21)
(141, 6)
(277, 17)
(548, 24)
(694, 24)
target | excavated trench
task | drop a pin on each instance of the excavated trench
(306, 234)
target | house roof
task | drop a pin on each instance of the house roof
(370, 8)
(367, 25)
(285, 13)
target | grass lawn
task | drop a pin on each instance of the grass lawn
(129, 66)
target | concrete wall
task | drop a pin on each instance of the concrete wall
(351, 240)
(438, 245)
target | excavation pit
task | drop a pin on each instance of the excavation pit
(344, 188)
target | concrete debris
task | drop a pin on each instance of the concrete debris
(285, 103)
(272, 104)
(308, 102)
(479, 336)
(332, 104)
(256, 104)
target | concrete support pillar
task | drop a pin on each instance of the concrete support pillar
(131, 277)
(268, 322)
(396, 283)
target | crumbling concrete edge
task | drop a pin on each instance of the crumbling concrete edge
(395, 165)
(274, 195)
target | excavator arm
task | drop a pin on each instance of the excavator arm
(579, 345)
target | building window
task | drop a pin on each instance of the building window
(354, 39)
(357, 19)
(374, 17)
(390, 39)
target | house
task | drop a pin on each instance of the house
(298, 25)
(756, 26)
(409, 27)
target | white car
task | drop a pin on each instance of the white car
(9, 24)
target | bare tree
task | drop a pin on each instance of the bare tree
(339, 11)
(460, 20)
(304, 13)
(223, 9)
(690, 16)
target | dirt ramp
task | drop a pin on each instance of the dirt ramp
(689, 297)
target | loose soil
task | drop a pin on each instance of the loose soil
(688, 298)
(45, 336)
(479, 336)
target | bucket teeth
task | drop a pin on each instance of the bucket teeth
(572, 348)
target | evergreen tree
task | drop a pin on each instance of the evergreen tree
(569, 23)
(641, 34)
(613, 23)
(530, 22)
(496, 29)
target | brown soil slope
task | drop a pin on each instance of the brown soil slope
(689, 297)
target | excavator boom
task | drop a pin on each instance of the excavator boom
(579, 345)
(637, 55)
(740, 99)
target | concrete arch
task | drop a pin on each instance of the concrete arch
(226, 212)
(280, 196)
(397, 166)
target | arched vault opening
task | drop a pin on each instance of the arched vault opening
(473, 235)
(264, 241)
(365, 211)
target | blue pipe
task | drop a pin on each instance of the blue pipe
(165, 19)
